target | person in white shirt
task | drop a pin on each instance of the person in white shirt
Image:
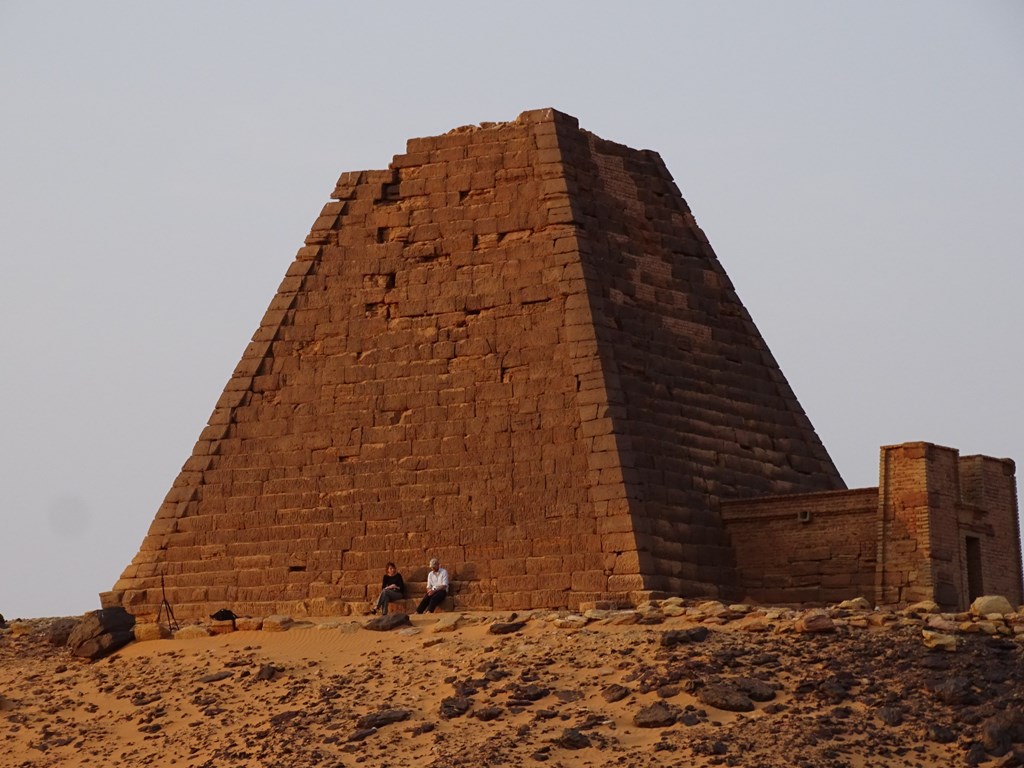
(437, 587)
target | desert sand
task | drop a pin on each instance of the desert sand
(634, 688)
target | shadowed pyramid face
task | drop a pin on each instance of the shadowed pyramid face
(513, 349)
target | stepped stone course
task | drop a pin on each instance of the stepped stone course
(514, 350)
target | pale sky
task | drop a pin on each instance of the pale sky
(858, 167)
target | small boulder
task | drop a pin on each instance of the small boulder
(725, 697)
(1002, 730)
(448, 622)
(938, 640)
(59, 630)
(614, 692)
(277, 623)
(385, 623)
(191, 632)
(382, 718)
(151, 631)
(684, 636)
(814, 621)
(505, 627)
(101, 632)
(987, 604)
(573, 621)
(856, 604)
(454, 706)
(573, 739)
(656, 715)
(249, 624)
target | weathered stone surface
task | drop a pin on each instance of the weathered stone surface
(856, 604)
(388, 622)
(277, 623)
(454, 706)
(814, 621)
(657, 715)
(939, 640)
(60, 630)
(448, 622)
(191, 632)
(383, 717)
(727, 697)
(505, 627)
(101, 632)
(684, 636)
(987, 604)
(151, 631)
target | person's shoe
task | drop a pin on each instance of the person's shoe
(374, 611)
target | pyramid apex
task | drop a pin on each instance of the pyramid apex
(548, 115)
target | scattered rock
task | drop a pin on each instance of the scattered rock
(277, 623)
(213, 677)
(267, 672)
(856, 604)
(505, 627)
(1002, 730)
(101, 632)
(58, 632)
(573, 621)
(758, 690)
(814, 621)
(573, 739)
(454, 706)
(721, 696)
(386, 623)
(151, 631)
(249, 624)
(191, 632)
(938, 640)
(987, 604)
(488, 713)
(892, 715)
(657, 715)
(614, 692)
(448, 622)
(684, 636)
(384, 717)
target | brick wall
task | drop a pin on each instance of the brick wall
(814, 547)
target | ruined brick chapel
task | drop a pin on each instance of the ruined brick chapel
(515, 350)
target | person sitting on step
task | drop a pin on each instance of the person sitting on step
(391, 588)
(437, 587)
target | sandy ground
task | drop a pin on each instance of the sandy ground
(539, 695)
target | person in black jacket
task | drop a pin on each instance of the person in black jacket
(391, 588)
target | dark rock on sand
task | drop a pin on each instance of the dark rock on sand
(382, 718)
(102, 632)
(454, 706)
(1002, 730)
(657, 715)
(684, 636)
(725, 697)
(614, 692)
(388, 622)
(573, 739)
(505, 627)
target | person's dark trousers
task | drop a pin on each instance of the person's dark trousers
(386, 596)
(430, 602)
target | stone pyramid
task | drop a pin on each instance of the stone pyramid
(514, 350)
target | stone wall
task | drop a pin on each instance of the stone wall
(939, 527)
(814, 547)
